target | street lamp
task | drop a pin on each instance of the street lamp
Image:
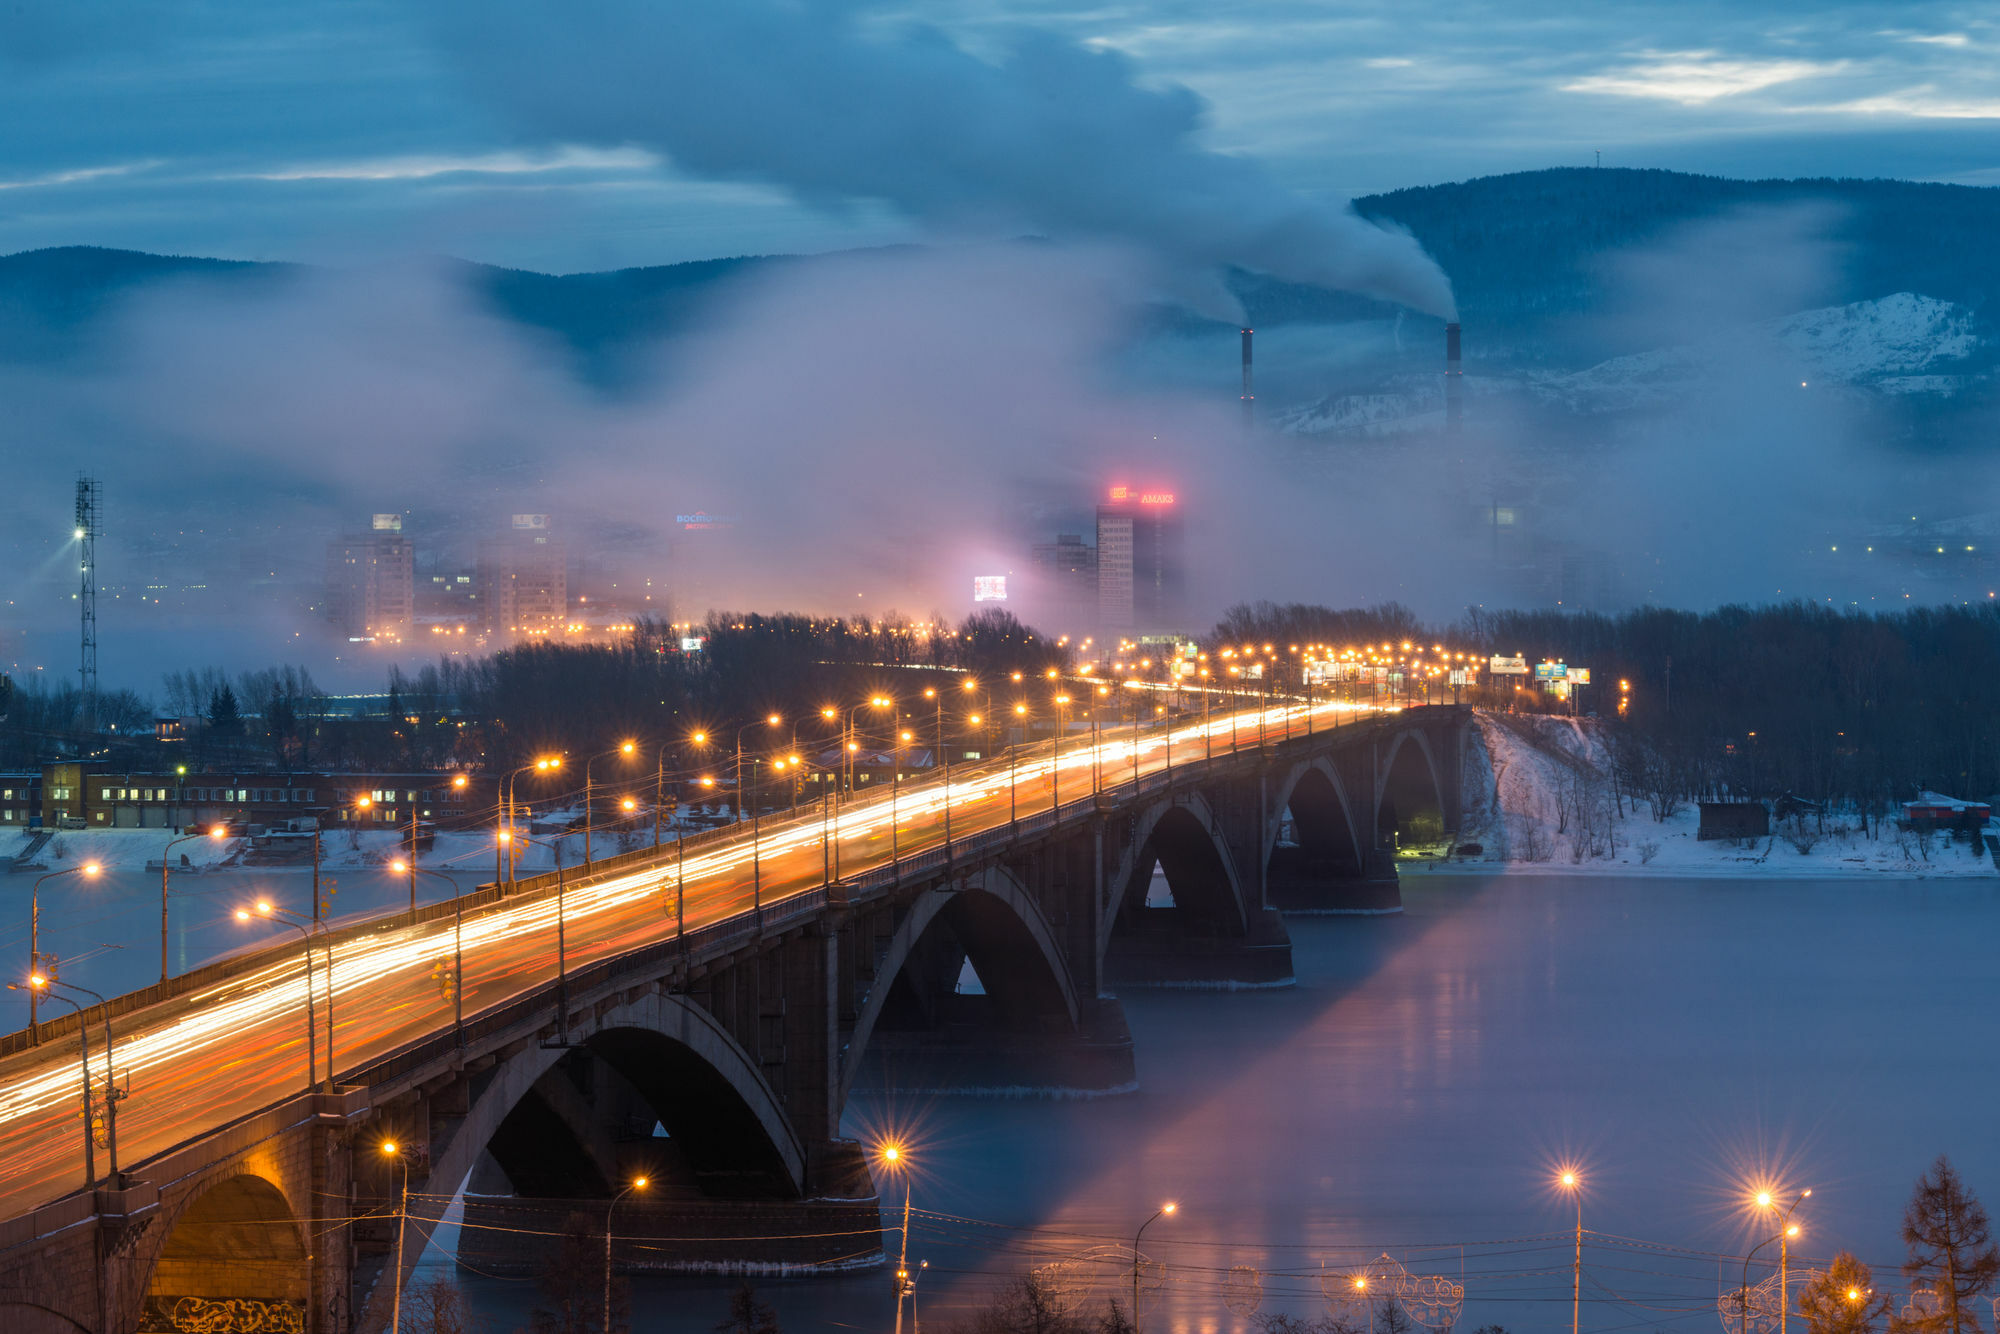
(1055, 766)
(37, 982)
(87, 870)
(1572, 1183)
(218, 833)
(1167, 1209)
(305, 927)
(1786, 1231)
(390, 1149)
(547, 764)
(894, 1160)
(457, 941)
(638, 1183)
(660, 781)
(622, 748)
(1013, 766)
(562, 944)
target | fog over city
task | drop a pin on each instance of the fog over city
(1064, 321)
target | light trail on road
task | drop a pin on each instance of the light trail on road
(200, 1061)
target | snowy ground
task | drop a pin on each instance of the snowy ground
(131, 849)
(1538, 797)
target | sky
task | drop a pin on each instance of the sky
(332, 132)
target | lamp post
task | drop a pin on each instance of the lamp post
(88, 869)
(1013, 767)
(37, 982)
(305, 927)
(680, 885)
(1166, 1209)
(1055, 765)
(638, 1183)
(546, 764)
(457, 943)
(218, 833)
(562, 943)
(390, 1149)
(622, 748)
(110, 1073)
(1570, 1182)
(660, 780)
(1786, 1231)
(892, 1158)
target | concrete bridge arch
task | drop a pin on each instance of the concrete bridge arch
(1323, 818)
(1184, 835)
(693, 1074)
(1409, 799)
(991, 920)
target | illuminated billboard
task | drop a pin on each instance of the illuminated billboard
(989, 588)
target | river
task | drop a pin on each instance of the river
(1416, 1091)
(1414, 1094)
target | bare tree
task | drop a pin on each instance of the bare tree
(1951, 1249)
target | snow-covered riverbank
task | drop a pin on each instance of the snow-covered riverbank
(1539, 796)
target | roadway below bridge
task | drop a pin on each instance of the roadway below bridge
(221, 1051)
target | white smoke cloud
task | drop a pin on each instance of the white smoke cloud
(810, 96)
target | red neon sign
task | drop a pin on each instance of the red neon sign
(1156, 498)
(1121, 493)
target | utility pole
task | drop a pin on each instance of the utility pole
(89, 497)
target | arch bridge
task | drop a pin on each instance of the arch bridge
(702, 1015)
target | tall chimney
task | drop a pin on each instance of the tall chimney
(1454, 376)
(1249, 397)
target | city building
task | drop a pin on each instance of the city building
(371, 582)
(85, 796)
(522, 580)
(1141, 561)
(1066, 577)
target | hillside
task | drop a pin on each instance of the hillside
(1527, 253)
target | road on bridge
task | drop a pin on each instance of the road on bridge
(215, 1055)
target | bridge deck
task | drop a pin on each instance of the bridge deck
(228, 1042)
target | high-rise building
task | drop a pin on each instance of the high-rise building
(1141, 569)
(371, 581)
(1066, 575)
(523, 580)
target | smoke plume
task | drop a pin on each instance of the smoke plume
(813, 97)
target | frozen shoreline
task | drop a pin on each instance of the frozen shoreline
(1538, 801)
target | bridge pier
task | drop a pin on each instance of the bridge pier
(1312, 887)
(973, 1058)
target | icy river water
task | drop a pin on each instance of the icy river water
(1415, 1093)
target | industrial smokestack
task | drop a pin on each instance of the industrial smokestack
(1249, 396)
(1454, 375)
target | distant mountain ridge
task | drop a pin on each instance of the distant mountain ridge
(1525, 253)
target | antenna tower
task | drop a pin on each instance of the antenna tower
(89, 498)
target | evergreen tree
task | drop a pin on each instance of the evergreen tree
(224, 718)
(748, 1315)
(1843, 1300)
(1951, 1250)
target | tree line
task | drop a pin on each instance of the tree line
(1853, 708)
(530, 698)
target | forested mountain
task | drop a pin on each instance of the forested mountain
(1527, 253)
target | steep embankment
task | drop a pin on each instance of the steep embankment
(1542, 794)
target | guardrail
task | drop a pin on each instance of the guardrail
(487, 897)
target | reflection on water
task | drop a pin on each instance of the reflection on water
(1412, 1095)
(1415, 1092)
